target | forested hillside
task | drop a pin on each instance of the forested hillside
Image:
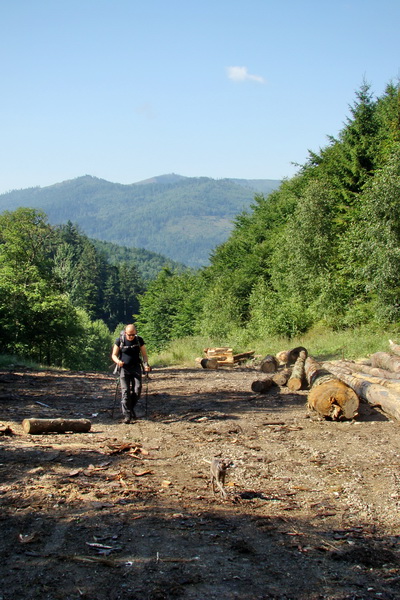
(323, 249)
(60, 296)
(182, 218)
(148, 264)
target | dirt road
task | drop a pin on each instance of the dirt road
(127, 511)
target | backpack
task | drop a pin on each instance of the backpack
(123, 345)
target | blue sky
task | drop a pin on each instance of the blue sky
(125, 90)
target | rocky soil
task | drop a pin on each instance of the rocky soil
(128, 512)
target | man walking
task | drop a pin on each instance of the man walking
(129, 352)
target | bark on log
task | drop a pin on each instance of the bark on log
(392, 384)
(56, 425)
(296, 380)
(395, 348)
(269, 364)
(262, 385)
(375, 371)
(329, 396)
(384, 360)
(281, 377)
(209, 363)
(374, 394)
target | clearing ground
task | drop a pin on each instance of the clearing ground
(127, 511)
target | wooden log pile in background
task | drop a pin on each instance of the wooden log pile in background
(334, 388)
(223, 357)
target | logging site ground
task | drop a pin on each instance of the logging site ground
(127, 511)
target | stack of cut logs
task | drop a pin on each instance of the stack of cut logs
(335, 388)
(222, 357)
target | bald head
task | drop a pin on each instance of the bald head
(130, 330)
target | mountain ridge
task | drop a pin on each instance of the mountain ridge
(182, 218)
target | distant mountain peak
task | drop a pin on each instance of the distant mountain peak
(168, 178)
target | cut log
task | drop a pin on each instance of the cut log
(262, 385)
(374, 394)
(384, 360)
(295, 353)
(395, 348)
(329, 396)
(289, 357)
(56, 425)
(209, 363)
(297, 377)
(283, 356)
(392, 384)
(375, 371)
(281, 377)
(269, 364)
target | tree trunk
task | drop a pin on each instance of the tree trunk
(297, 378)
(374, 394)
(329, 396)
(56, 425)
(281, 377)
(375, 371)
(384, 360)
(395, 348)
(262, 385)
(269, 364)
(209, 363)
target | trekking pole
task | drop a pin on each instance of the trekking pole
(115, 398)
(147, 393)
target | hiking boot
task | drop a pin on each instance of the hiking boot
(126, 420)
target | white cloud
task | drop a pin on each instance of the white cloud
(242, 74)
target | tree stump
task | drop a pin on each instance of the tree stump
(329, 396)
(56, 425)
(269, 364)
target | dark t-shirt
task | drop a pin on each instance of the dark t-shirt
(130, 351)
